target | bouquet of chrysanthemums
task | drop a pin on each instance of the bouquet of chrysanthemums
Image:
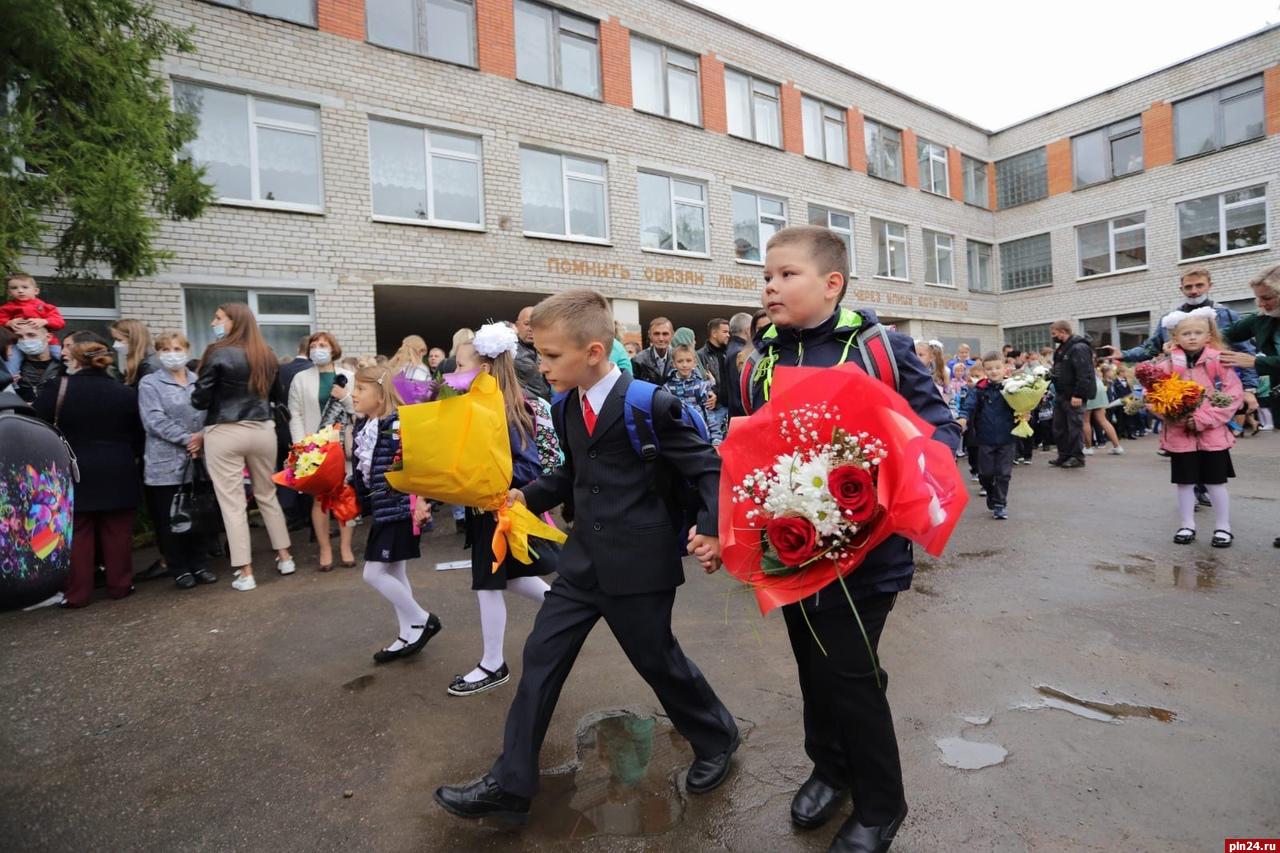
(1023, 391)
(317, 466)
(1132, 405)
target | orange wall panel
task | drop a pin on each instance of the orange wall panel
(496, 37)
(955, 173)
(615, 63)
(341, 17)
(991, 186)
(910, 158)
(792, 120)
(1271, 82)
(857, 140)
(714, 115)
(1157, 135)
(1058, 154)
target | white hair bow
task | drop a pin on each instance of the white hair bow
(493, 339)
(1173, 318)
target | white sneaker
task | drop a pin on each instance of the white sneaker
(1116, 451)
(1088, 451)
(285, 567)
(244, 583)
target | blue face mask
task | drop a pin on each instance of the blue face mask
(219, 332)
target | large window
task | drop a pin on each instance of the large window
(424, 175)
(884, 151)
(1108, 152)
(255, 150)
(975, 182)
(938, 267)
(1222, 224)
(824, 133)
(753, 108)
(1123, 331)
(673, 214)
(556, 49)
(891, 249)
(283, 315)
(933, 168)
(440, 29)
(298, 11)
(563, 195)
(1022, 179)
(1026, 263)
(1219, 119)
(1029, 338)
(756, 218)
(1112, 246)
(839, 222)
(979, 257)
(665, 81)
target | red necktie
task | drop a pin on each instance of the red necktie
(588, 416)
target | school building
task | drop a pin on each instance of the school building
(388, 167)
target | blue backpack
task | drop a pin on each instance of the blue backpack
(665, 483)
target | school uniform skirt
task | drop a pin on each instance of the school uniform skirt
(1201, 467)
(392, 541)
(480, 529)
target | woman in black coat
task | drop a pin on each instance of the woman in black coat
(99, 417)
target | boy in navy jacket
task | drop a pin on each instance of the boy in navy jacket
(992, 419)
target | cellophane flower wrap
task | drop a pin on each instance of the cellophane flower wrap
(1023, 391)
(456, 450)
(317, 466)
(829, 468)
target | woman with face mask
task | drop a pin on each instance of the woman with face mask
(323, 387)
(131, 339)
(175, 440)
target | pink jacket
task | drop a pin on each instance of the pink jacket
(1206, 428)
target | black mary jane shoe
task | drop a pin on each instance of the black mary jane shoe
(492, 679)
(186, 580)
(856, 837)
(152, 572)
(483, 799)
(429, 630)
(707, 774)
(1184, 536)
(205, 576)
(1222, 539)
(815, 803)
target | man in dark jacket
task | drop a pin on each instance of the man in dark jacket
(652, 364)
(739, 339)
(296, 505)
(712, 357)
(526, 358)
(1074, 382)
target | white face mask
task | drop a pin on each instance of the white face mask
(1197, 300)
(121, 347)
(320, 357)
(173, 360)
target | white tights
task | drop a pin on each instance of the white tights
(391, 580)
(493, 621)
(1221, 506)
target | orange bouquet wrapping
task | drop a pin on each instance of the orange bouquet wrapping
(317, 466)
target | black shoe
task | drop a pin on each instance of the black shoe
(205, 576)
(854, 837)
(151, 572)
(707, 774)
(186, 580)
(815, 803)
(1276, 543)
(1202, 496)
(1057, 463)
(429, 630)
(1072, 463)
(492, 678)
(459, 525)
(483, 799)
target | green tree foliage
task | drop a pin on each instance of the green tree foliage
(89, 145)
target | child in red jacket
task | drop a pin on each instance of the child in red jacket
(26, 306)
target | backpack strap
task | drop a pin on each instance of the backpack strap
(637, 416)
(557, 416)
(877, 354)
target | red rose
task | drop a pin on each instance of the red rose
(794, 539)
(854, 492)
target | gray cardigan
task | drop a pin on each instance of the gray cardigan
(170, 420)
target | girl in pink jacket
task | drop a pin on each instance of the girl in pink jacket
(1199, 445)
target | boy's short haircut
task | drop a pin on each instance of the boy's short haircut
(581, 314)
(993, 356)
(826, 249)
(20, 276)
(683, 348)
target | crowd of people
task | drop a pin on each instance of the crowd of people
(146, 417)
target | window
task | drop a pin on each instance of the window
(673, 214)
(824, 134)
(975, 182)
(756, 218)
(563, 195)
(839, 222)
(424, 175)
(1108, 152)
(937, 259)
(753, 108)
(298, 11)
(891, 249)
(1112, 246)
(1124, 331)
(1026, 263)
(283, 316)
(440, 29)
(556, 49)
(90, 306)
(1022, 179)
(884, 152)
(1219, 119)
(933, 168)
(665, 81)
(256, 150)
(1223, 224)
(979, 257)
(1029, 338)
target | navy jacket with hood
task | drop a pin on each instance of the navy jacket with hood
(988, 415)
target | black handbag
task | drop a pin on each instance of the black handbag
(194, 508)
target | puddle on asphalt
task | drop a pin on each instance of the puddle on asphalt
(358, 683)
(970, 755)
(1194, 575)
(1052, 697)
(624, 782)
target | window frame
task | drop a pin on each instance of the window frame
(966, 172)
(753, 91)
(868, 127)
(881, 238)
(666, 64)
(1007, 270)
(448, 154)
(934, 252)
(671, 209)
(970, 255)
(830, 211)
(420, 31)
(565, 177)
(1109, 135)
(1222, 221)
(77, 317)
(827, 113)
(243, 6)
(1038, 334)
(1041, 184)
(760, 216)
(1112, 232)
(200, 340)
(1218, 127)
(557, 57)
(932, 161)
